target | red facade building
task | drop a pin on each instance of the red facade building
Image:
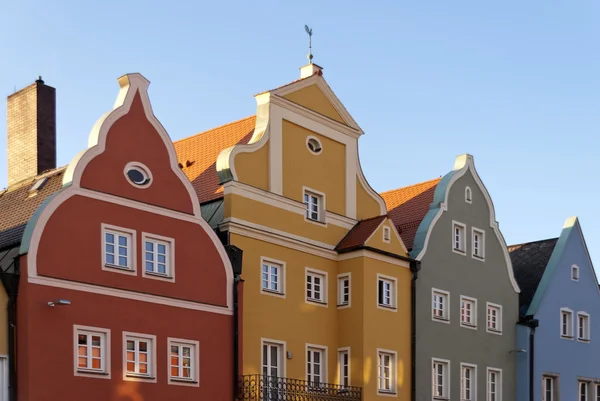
(125, 292)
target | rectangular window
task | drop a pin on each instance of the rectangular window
(316, 286)
(140, 355)
(314, 205)
(494, 318)
(468, 312)
(272, 361)
(92, 350)
(315, 366)
(458, 237)
(386, 234)
(344, 366)
(386, 291)
(158, 256)
(344, 290)
(184, 358)
(386, 368)
(272, 277)
(597, 392)
(118, 249)
(584, 391)
(440, 379)
(439, 304)
(478, 243)
(583, 326)
(494, 385)
(468, 382)
(548, 388)
(566, 323)
(575, 273)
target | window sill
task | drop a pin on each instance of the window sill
(117, 267)
(92, 372)
(182, 380)
(139, 376)
(389, 307)
(441, 319)
(468, 326)
(566, 337)
(315, 221)
(161, 275)
(386, 392)
(316, 301)
(346, 304)
(584, 340)
(441, 398)
(482, 258)
(494, 331)
(459, 251)
(272, 292)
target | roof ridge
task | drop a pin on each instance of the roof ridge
(533, 242)
(214, 128)
(412, 185)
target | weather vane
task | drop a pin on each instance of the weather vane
(309, 31)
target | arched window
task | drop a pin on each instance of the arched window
(468, 196)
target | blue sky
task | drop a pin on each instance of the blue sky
(515, 83)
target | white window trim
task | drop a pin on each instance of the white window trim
(498, 321)
(105, 374)
(324, 362)
(468, 195)
(5, 377)
(589, 392)
(277, 294)
(576, 268)
(473, 380)
(555, 383)
(170, 261)
(473, 313)
(151, 378)
(387, 230)
(139, 166)
(498, 385)
(448, 379)
(481, 244)
(323, 303)
(588, 336)
(394, 381)
(462, 252)
(394, 306)
(570, 333)
(283, 345)
(132, 250)
(308, 138)
(322, 222)
(339, 290)
(446, 318)
(340, 351)
(195, 382)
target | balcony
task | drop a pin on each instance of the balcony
(267, 388)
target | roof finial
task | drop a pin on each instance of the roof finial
(309, 31)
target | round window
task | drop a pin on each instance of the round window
(314, 145)
(138, 175)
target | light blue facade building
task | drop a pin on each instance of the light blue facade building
(558, 335)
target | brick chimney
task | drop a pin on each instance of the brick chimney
(31, 120)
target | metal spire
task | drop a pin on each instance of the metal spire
(309, 31)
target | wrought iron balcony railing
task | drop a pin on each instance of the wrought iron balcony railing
(269, 388)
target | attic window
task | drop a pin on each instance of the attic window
(468, 197)
(575, 273)
(386, 234)
(38, 185)
(314, 145)
(138, 175)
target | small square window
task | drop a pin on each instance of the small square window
(386, 235)
(184, 360)
(583, 326)
(468, 312)
(386, 292)
(494, 318)
(118, 249)
(344, 289)
(575, 273)
(478, 242)
(139, 357)
(458, 237)
(92, 351)
(159, 257)
(272, 277)
(494, 385)
(316, 286)
(440, 305)
(566, 323)
(315, 206)
(386, 371)
(440, 379)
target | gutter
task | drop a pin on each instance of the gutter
(415, 266)
(532, 323)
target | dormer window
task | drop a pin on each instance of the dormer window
(468, 196)
(575, 273)
(314, 145)
(315, 205)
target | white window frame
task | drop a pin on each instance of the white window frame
(498, 384)
(321, 212)
(575, 269)
(195, 362)
(151, 340)
(499, 317)
(104, 372)
(445, 318)
(472, 381)
(341, 352)
(445, 378)
(481, 243)
(553, 387)
(387, 234)
(586, 383)
(393, 372)
(569, 313)
(473, 302)
(130, 234)
(170, 257)
(597, 386)
(322, 300)
(281, 276)
(319, 144)
(324, 366)
(468, 195)
(587, 330)
(394, 293)
(282, 345)
(463, 238)
(340, 290)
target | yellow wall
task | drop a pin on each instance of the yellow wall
(312, 98)
(395, 244)
(325, 172)
(366, 206)
(253, 168)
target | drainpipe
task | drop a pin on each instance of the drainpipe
(415, 266)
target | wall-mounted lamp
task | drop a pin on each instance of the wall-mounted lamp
(517, 351)
(59, 302)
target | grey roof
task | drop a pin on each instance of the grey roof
(529, 261)
(212, 212)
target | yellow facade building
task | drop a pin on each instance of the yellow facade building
(326, 303)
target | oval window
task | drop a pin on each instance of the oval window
(314, 145)
(138, 175)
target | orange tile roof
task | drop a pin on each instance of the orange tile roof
(408, 206)
(198, 155)
(359, 234)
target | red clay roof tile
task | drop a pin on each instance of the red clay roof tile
(360, 233)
